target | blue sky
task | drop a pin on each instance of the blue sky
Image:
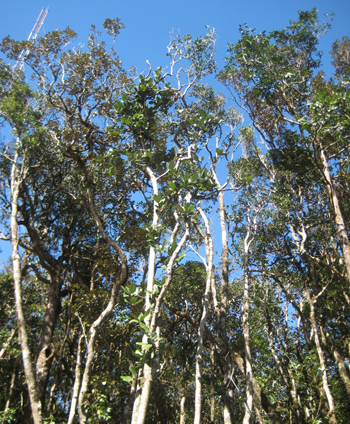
(148, 24)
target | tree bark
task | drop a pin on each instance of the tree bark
(182, 410)
(77, 383)
(45, 348)
(273, 415)
(322, 359)
(339, 220)
(12, 385)
(343, 372)
(228, 414)
(212, 385)
(17, 279)
(200, 340)
(245, 319)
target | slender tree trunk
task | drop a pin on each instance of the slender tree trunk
(7, 343)
(339, 220)
(322, 359)
(89, 200)
(343, 372)
(182, 410)
(143, 393)
(287, 377)
(92, 338)
(212, 385)
(273, 415)
(200, 339)
(17, 279)
(77, 382)
(128, 407)
(228, 415)
(248, 358)
(246, 330)
(153, 319)
(45, 349)
(12, 385)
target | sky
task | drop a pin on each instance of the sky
(148, 24)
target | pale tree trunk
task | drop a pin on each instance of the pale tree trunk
(141, 403)
(153, 319)
(264, 401)
(90, 341)
(77, 383)
(17, 279)
(128, 407)
(12, 385)
(228, 415)
(143, 392)
(212, 385)
(7, 343)
(322, 359)
(199, 360)
(339, 220)
(248, 359)
(182, 410)
(221, 310)
(343, 372)
(287, 378)
(92, 338)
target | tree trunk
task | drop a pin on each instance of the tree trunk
(92, 338)
(12, 385)
(143, 393)
(248, 358)
(228, 414)
(77, 383)
(343, 372)
(45, 349)
(339, 220)
(322, 359)
(182, 410)
(17, 279)
(200, 340)
(245, 322)
(273, 415)
(212, 386)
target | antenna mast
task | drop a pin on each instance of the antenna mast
(32, 36)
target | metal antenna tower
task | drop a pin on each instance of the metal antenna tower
(32, 36)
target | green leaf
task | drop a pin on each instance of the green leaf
(144, 327)
(157, 198)
(126, 378)
(133, 370)
(179, 258)
(144, 345)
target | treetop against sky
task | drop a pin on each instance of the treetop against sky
(148, 23)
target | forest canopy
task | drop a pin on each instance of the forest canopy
(178, 254)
